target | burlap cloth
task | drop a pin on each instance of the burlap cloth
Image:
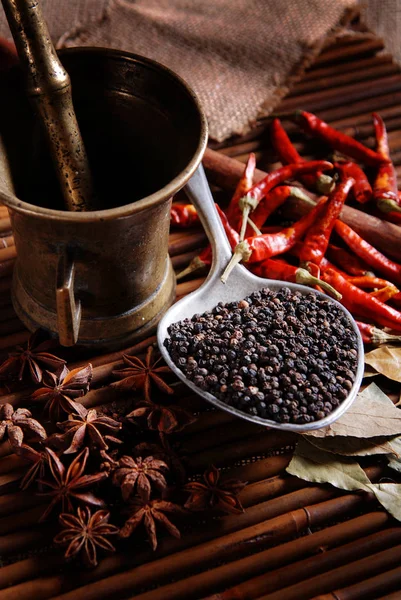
(240, 56)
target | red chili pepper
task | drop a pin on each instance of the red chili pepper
(205, 257)
(361, 303)
(257, 248)
(317, 237)
(373, 335)
(273, 200)
(362, 189)
(314, 126)
(278, 269)
(348, 262)
(288, 154)
(368, 253)
(366, 282)
(385, 293)
(385, 190)
(244, 184)
(260, 189)
(183, 215)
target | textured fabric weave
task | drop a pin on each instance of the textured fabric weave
(240, 56)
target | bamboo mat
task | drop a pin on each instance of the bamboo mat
(295, 540)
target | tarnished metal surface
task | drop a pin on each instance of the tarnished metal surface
(145, 135)
(49, 88)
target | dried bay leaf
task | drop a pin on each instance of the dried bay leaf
(386, 360)
(369, 372)
(353, 446)
(389, 496)
(395, 462)
(371, 415)
(317, 466)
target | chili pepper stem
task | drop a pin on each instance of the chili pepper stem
(387, 205)
(195, 264)
(246, 203)
(325, 184)
(303, 277)
(254, 227)
(241, 252)
(297, 192)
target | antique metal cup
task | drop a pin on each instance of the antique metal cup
(103, 277)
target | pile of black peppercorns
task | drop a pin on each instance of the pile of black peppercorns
(279, 355)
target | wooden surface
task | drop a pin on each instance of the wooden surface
(294, 540)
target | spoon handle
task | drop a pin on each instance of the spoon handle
(198, 191)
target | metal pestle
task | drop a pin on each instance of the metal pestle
(49, 89)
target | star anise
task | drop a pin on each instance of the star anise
(149, 512)
(214, 493)
(39, 460)
(60, 389)
(88, 430)
(160, 417)
(84, 533)
(32, 358)
(69, 484)
(15, 423)
(139, 374)
(139, 474)
(166, 452)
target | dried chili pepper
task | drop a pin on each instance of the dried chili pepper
(385, 293)
(385, 190)
(368, 282)
(240, 212)
(206, 255)
(373, 335)
(257, 248)
(183, 215)
(317, 237)
(244, 184)
(273, 200)
(368, 253)
(288, 154)
(278, 269)
(362, 190)
(315, 127)
(348, 262)
(361, 303)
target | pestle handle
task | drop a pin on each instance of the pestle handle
(49, 88)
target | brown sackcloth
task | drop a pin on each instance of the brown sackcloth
(240, 56)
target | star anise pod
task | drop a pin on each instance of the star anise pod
(160, 417)
(39, 460)
(15, 423)
(214, 493)
(84, 533)
(149, 512)
(166, 452)
(69, 484)
(32, 358)
(139, 374)
(139, 474)
(60, 389)
(88, 430)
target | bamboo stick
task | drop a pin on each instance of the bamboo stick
(17, 501)
(330, 98)
(224, 548)
(314, 73)
(7, 253)
(369, 588)
(6, 268)
(6, 241)
(341, 576)
(5, 225)
(24, 540)
(385, 236)
(343, 52)
(22, 520)
(199, 584)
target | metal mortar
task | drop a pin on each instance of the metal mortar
(101, 278)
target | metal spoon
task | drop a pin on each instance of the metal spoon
(240, 284)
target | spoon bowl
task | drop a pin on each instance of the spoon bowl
(240, 284)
